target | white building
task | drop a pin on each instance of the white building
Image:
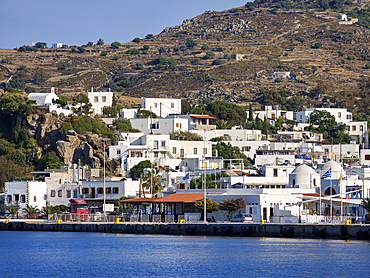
(60, 194)
(272, 114)
(230, 134)
(159, 149)
(197, 122)
(99, 100)
(25, 193)
(159, 125)
(43, 98)
(128, 113)
(57, 45)
(162, 107)
(341, 115)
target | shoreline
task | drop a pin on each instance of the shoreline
(310, 231)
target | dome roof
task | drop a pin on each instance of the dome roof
(335, 166)
(303, 169)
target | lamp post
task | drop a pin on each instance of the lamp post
(104, 181)
(204, 179)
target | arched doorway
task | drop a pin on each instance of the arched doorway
(330, 191)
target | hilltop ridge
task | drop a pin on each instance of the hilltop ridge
(229, 55)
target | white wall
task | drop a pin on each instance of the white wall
(97, 101)
(162, 106)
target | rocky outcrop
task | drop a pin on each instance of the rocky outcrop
(69, 146)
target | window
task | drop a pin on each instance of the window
(163, 143)
(246, 148)
(361, 128)
(118, 152)
(293, 183)
(349, 116)
(75, 193)
(173, 182)
(23, 199)
(16, 197)
(174, 150)
(339, 114)
(85, 190)
(156, 154)
(204, 150)
(314, 182)
(367, 157)
(115, 190)
(353, 128)
(104, 99)
(34, 198)
(180, 125)
(60, 193)
(172, 105)
(9, 198)
(275, 173)
(96, 99)
(155, 105)
(100, 190)
(177, 124)
(108, 190)
(68, 193)
(195, 150)
(52, 193)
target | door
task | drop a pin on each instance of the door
(182, 152)
(92, 192)
(264, 213)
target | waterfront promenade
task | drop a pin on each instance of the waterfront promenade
(335, 231)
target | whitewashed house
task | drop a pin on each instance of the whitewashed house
(23, 193)
(160, 125)
(128, 113)
(162, 107)
(99, 100)
(197, 122)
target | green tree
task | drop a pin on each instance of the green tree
(137, 40)
(149, 36)
(124, 125)
(104, 53)
(232, 205)
(133, 51)
(146, 47)
(211, 206)
(190, 43)
(205, 47)
(51, 161)
(13, 210)
(84, 104)
(152, 179)
(41, 45)
(100, 42)
(32, 211)
(250, 113)
(137, 170)
(115, 45)
(185, 136)
(209, 55)
(365, 203)
(324, 120)
(227, 151)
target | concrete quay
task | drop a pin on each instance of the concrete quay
(322, 231)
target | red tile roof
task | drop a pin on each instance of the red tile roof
(182, 198)
(139, 200)
(203, 117)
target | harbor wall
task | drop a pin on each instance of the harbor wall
(336, 231)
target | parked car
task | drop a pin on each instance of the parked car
(242, 218)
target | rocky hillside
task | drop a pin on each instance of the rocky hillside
(196, 60)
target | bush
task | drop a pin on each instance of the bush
(217, 62)
(104, 53)
(137, 40)
(149, 36)
(115, 45)
(146, 47)
(205, 47)
(317, 45)
(133, 51)
(209, 55)
(196, 61)
(278, 80)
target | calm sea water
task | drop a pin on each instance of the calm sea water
(62, 254)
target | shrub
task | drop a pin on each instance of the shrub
(104, 53)
(115, 45)
(137, 40)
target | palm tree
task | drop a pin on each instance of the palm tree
(12, 210)
(32, 210)
(153, 178)
(366, 204)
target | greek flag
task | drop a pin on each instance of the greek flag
(327, 174)
(186, 177)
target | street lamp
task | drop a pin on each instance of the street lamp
(204, 179)
(104, 180)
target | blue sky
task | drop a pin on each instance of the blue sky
(75, 22)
